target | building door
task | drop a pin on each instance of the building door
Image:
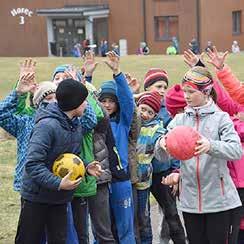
(67, 33)
(100, 30)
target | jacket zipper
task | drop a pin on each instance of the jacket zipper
(198, 172)
(180, 186)
(222, 186)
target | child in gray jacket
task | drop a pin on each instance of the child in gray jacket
(207, 192)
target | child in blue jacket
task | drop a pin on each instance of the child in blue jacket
(117, 99)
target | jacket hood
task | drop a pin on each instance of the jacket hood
(53, 111)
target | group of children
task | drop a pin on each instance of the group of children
(120, 135)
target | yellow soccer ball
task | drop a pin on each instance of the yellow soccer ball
(69, 162)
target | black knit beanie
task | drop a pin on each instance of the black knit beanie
(70, 94)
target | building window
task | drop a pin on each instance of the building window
(236, 22)
(59, 23)
(166, 27)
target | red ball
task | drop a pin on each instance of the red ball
(181, 142)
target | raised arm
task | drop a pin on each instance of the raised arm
(124, 94)
(8, 107)
(224, 101)
(89, 65)
(7, 113)
(88, 120)
(232, 85)
(26, 67)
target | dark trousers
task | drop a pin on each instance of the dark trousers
(36, 217)
(236, 215)
(80, 217)
(210, 228)
(99, 210)
(167, 202)
(136, 223)
(143, 214)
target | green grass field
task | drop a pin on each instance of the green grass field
(9, 68)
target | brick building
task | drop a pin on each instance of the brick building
(42, 27)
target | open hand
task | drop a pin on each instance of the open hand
(27, 67)
(94, 168)
(90, 64)
(216, 59)
(191, 58)
(133, 83)
(139, 95)
(67, 184)
(71, 73)
(26, 84)
(113, 62)
(26, 81)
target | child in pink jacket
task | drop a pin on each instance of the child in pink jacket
(231, 84)
(236, 167)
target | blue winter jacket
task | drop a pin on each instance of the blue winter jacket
(54, 134)
(19, 126)
(121, 124)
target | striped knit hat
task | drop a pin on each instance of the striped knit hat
(199, 78)
(153, 75)
(152, 99)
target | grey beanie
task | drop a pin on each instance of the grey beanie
(44, 89)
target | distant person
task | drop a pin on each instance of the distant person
(209, 46)
(175, 44)
(143, 49)
(193, 46)
(85, 45)
(171, 50)
(115, 48)
(76, 50)
(235, 47)
(103, 48)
